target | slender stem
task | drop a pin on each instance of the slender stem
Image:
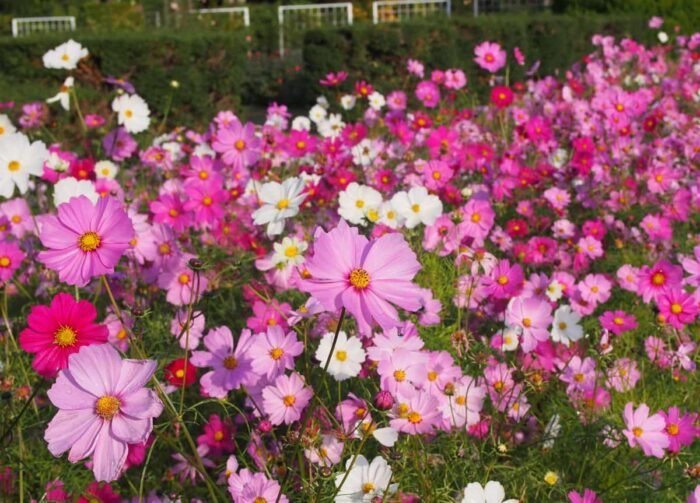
(335, 340)
(77, 108)
(188, 322)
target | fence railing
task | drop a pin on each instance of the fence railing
(27, 25)
(232, 12)
(387, 11)
(294, 19)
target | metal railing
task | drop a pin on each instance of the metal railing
(243, 12)
(386, 11)
(294, 19)
(29, 25)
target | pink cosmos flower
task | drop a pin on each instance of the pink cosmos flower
(20, 216)
(429, 93)
(205, 201)
(188, 336)
(218, 436)
(248, 487)
(169, 209)
(238, 144)
(504, 281)
(680, 428)
(231, 367)
(416, 413)
(651, 281)
(103, 407)
(490, 56)
(286, 398)
(647, 432)
(579, 374)
(11, 257)
(180, 282)
(623, 375)
(533, 315)
(85, 240)
(57, 331)
(588, 496)
(363, 276)
(274, 351)
(595, 288)
(477, 219)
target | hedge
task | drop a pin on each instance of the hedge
(379, 53)
(208, 66)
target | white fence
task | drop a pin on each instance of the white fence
(294, 19)
(232, 12)
(387, 11)
(28, 25)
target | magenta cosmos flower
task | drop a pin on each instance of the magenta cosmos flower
(57, 331)
(365, 277)
(645, 431)
(103, 407)
(490, 56)
(85, 240)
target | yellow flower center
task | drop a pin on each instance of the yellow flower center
(341, 355)
(415, 208)
(89, 242)
(291, 251)
(414, 417)
(399, 375)
(282, 204)
(121, 335)
(107, 406)
(499, 385)
(203, 175)
(527, 322)
(676, 308)
(65, 57)
(240, 145)
(436, 175)
(13, 166)
(579, 377)
(658, 279)
(372, 215)
(432, 375)
(672, 429)
(5, 261)
(173, 212)
(230, 362)
(368, 487)
(476, 218)
(206, 201)
(129, 114)
(618, 321)
(638, 432)
(183, 279)
(289, 400)
(359, 278)
(64, 337)
(301, 145)
(461, 400)
(562, 325)
(360, 203)
(259, 499)
(164, 249)
(219, 436)
(179, 373)
(502, 280)
(276, 353)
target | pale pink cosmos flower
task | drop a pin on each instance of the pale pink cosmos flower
(286, 398)
(534, 316)
(365, 277)
(231, 366)
(103, 407)
(274, 351)
(181, 285)
(415, 413)
(645, 431)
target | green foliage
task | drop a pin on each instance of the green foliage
(375, 52)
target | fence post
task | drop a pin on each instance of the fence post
(280, 20)
(476, 7)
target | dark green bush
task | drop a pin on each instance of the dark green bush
(379, 53)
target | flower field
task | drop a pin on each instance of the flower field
(416, 294)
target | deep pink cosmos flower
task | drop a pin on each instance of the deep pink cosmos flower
(645, 431)
(618, 321)
(103, 407)
(651, 281)
(218, 436)
(588, 496)
(169, 209)
(365, 277)
(205, 201)
(11, 257)
(57, 331)
(286, 398)
(490, 56)
(680, 428)
(676, 307)
(429, 93)
(238, 145)
(85, 240)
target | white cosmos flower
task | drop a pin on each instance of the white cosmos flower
(347, 358)
(331, 127)
(289, 251)
(558, 158)
(56, 163)
(132, 112)
(18, 159)
(417, 206)
(565, 327)
(280, 201)
(554, 291)
(376, 101)
(663, 37)
(348, 102)
(365, 480)
(363, 153)
(6, 126)
(492, 492)
(551, 431)
(322, 101)
(65, 56)
(357, 202)
(317, 113)
(70, 187)
(301, 123)
(106, 169)
(389, 216)
(63, 96)
(511, 338)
